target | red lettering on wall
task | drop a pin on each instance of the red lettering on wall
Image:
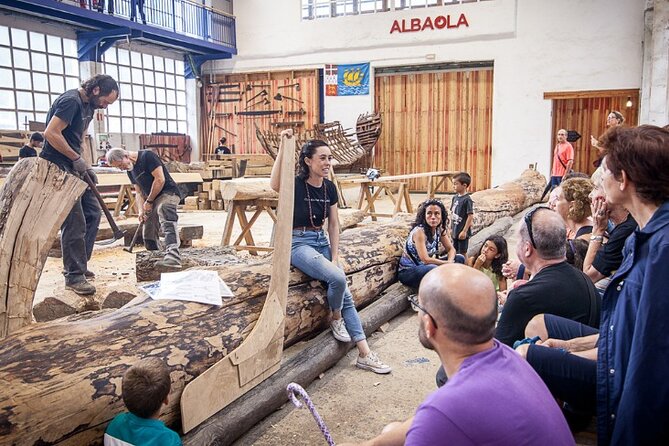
(463, 21)
(427, 24)
(416, 24)
(395, 27)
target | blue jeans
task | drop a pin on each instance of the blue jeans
(412, 276)
(310, 253)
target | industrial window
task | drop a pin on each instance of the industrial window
(153, 93)
(317, 9)
(34, 69)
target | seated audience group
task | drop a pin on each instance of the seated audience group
(591, 321)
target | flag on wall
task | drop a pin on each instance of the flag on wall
(330, 80)
(347, 80)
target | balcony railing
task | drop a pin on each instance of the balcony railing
(180, 16)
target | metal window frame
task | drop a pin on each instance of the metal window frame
(157, 120)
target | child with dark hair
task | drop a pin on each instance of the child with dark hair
(428, 236)
(145, 389)
(493, 254)
(462, 213)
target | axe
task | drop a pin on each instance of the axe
(118, 233)
(134, 237)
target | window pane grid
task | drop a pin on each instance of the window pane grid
(317, 9)
(34, 69)
(152, 96)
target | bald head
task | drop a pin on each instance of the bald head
(462, 300)
(549, 233)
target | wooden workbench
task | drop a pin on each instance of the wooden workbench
(387, 184)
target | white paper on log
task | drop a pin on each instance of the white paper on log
(193, 285)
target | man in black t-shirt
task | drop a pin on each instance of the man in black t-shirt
(556, 287)
(157, 199)
(29, 150)
(222, 149)
(67, 120)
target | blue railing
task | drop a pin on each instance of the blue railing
(180, 16)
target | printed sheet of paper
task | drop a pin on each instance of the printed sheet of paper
(193, 285)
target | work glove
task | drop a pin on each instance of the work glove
(94, 177)
(80, 166)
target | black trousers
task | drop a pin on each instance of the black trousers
(77, 237)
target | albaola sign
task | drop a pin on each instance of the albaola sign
(439, 22)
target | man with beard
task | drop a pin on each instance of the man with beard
(66, 123)
(492, 397)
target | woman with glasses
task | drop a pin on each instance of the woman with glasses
(315, 252)
(428, 237)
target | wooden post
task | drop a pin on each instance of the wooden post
(259, 356)
(34, 201)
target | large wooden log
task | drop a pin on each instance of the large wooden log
(508, 199)
(62, 378)
(34, 201)
(247, 189)
(300, 365)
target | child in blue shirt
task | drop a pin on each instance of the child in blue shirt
(145, 389)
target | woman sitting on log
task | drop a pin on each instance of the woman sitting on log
(422, 248)
(493, 254)
(315, 253)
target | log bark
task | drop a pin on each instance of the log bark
(63, 377)
(508, 199)
(301, 366)
(247, 189)
(34, 201)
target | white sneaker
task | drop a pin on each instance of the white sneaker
(373, 363)
(339, 332)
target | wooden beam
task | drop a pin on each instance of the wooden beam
(589, 93)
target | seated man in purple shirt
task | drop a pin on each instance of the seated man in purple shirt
(493, 396)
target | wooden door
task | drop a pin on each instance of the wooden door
(586, 112)
(436, 121)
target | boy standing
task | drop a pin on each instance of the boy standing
(462, 213)
(145, 389)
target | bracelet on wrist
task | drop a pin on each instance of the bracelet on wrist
(597, 238)
(149, 201)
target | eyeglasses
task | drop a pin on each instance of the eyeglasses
(413, 300)
(528, 223)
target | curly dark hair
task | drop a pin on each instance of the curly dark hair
(106, 83)
(420, 216)
(502, 251)
(308, 150)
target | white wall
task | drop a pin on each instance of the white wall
(536, 45)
